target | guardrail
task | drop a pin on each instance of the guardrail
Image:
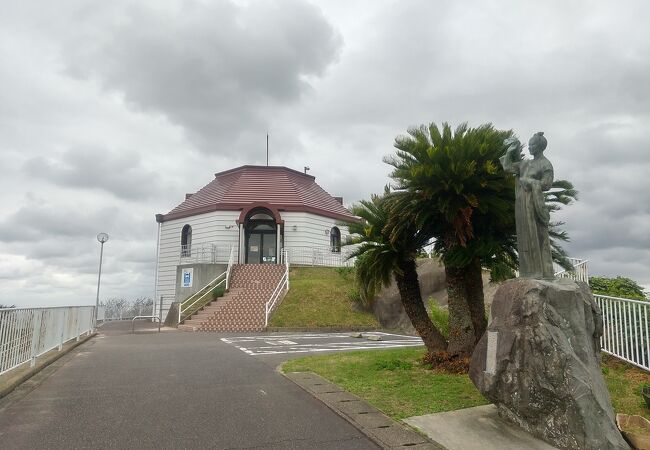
(579, 271)
(625, 329)
(231, 261)
(320, 256)
(284, 282)
(152, 318)
(204, 253)
(27, 333)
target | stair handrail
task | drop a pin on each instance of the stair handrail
(231, 260)
(183, 308)
(284, 281)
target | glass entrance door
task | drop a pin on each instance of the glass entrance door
(261, 247)
(268, 248)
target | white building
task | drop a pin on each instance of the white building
(255, 212)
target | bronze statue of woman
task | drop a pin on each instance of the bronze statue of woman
(534, 176)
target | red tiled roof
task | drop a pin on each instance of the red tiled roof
(283, 188)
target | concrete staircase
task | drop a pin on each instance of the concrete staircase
(242, 307)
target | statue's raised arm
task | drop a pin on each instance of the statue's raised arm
(511, 159)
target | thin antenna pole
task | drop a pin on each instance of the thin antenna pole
(267, 149)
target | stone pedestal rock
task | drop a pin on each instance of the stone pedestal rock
(539, 364)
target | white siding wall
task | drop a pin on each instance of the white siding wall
(309, 244)
(310, 229)
(208, 228)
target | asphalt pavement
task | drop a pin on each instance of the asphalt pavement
(279, 347)
(168, 390)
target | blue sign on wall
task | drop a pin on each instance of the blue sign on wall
(187, 278)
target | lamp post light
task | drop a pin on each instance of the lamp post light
(101, 237)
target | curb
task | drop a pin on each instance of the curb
(378, 427)
(4, 391)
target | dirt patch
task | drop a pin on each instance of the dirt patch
(443, 362)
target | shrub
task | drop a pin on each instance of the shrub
(617, 287)
(218, 292)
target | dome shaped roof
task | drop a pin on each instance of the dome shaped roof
(283, 188)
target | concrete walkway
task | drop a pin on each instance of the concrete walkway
(167, 390)
(478, 428)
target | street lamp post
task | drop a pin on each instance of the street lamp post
(101, 237)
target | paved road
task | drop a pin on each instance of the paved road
(168, 390)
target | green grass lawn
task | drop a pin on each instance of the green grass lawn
(393, 381)
(319, 298)
(625, 383)
(396, 382)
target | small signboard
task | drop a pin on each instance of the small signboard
(187, 277)
(491, 355)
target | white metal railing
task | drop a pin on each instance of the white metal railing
(625, 329)
(105, 314)
(27, 333)
(231, 261)
(321, 256)
(283, 286)
(199, 295)
(204, 253)
(579, 271)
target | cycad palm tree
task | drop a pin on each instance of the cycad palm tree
(562, 192)
(379, 258)
(453, 186)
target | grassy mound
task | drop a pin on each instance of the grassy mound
(320, 297)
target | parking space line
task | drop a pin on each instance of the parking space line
(293, 343)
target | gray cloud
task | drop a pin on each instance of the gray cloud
(34, 223)
(120, 174)
(216, 69)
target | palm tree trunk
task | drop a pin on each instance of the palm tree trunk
(476, 298)
(461, 329)
(409, 291)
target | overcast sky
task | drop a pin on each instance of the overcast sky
(111, 111)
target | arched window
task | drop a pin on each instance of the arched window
(335, 240)
(186, 241)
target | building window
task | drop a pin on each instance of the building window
(335, 240)
(186, 241)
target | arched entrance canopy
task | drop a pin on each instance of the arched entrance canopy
(262, 205)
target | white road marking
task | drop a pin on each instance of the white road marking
(280, 344)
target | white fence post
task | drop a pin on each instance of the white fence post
(63, 327)
(36, 336)
(77, 320)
